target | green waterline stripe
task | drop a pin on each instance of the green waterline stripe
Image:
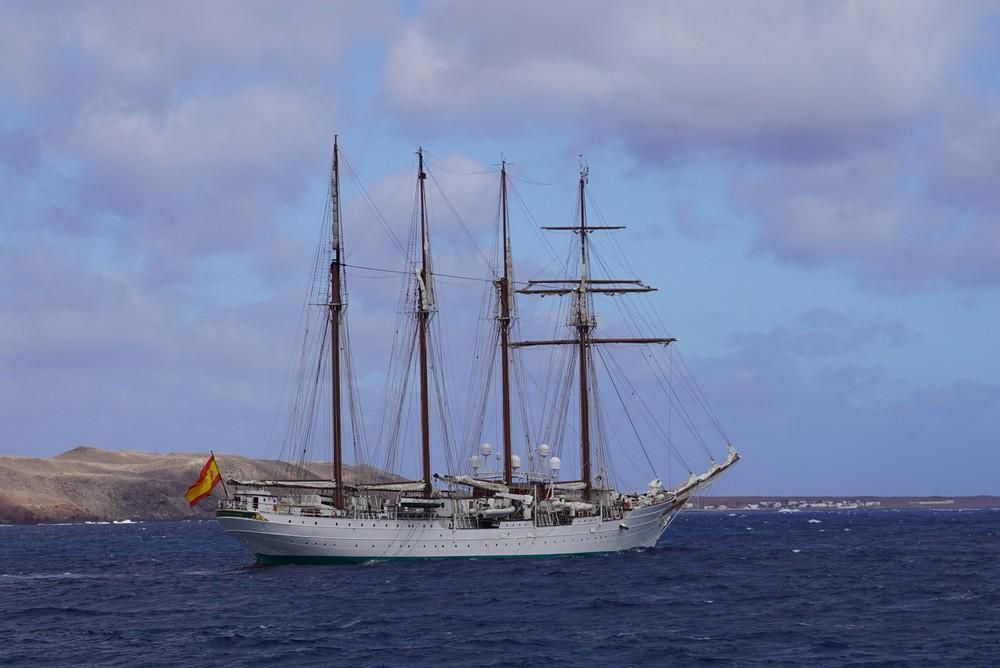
(283, 560)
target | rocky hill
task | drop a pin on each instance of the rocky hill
(101, 485)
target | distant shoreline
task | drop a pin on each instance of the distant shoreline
(813, 503)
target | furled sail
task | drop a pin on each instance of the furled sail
(474, 482)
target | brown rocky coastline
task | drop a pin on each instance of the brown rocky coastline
(90, 484)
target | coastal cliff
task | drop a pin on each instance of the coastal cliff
(90, 484)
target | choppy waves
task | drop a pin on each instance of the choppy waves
(810, 588)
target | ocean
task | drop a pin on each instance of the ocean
(834, 588)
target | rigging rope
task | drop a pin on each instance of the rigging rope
(374, 207)
(631, 318)
(600, 353)
(478, 279)
(461, 222)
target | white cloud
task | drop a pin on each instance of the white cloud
(174, 131)
(886, 216)
(963, 167)
(831, 124)
(845, 427)
(782, 77)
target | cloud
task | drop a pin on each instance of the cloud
(97, 357)
(692, 224)
(888, 217)
(842, 427)
(154, 158)
(207, 176)
(787, 77)
(174, 132)
(962, 170)
(144, 53)
(155, 161)
(825, 333)
(842, 133)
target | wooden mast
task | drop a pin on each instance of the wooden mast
(583, 326)
(336, 309)
(424, 305)
(505, 316)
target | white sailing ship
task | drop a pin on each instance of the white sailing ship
(481, 509)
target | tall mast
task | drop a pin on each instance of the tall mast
(580, 289)
(503, 286)
(424, 305)
(583, 326)
(336, 309)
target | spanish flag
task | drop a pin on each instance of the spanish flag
(207, 480)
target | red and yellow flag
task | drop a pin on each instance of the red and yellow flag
(207, 480)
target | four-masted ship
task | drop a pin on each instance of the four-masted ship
(475, 512)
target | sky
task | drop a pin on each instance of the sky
(812, 186)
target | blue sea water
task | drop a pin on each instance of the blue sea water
(866, 588)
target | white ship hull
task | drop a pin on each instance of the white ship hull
(280, 538)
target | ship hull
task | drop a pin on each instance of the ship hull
(279, 538)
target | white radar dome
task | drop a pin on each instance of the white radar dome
(486, 449)
(515, 462)
(543, 450)
(556, 463)
(474, 462)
